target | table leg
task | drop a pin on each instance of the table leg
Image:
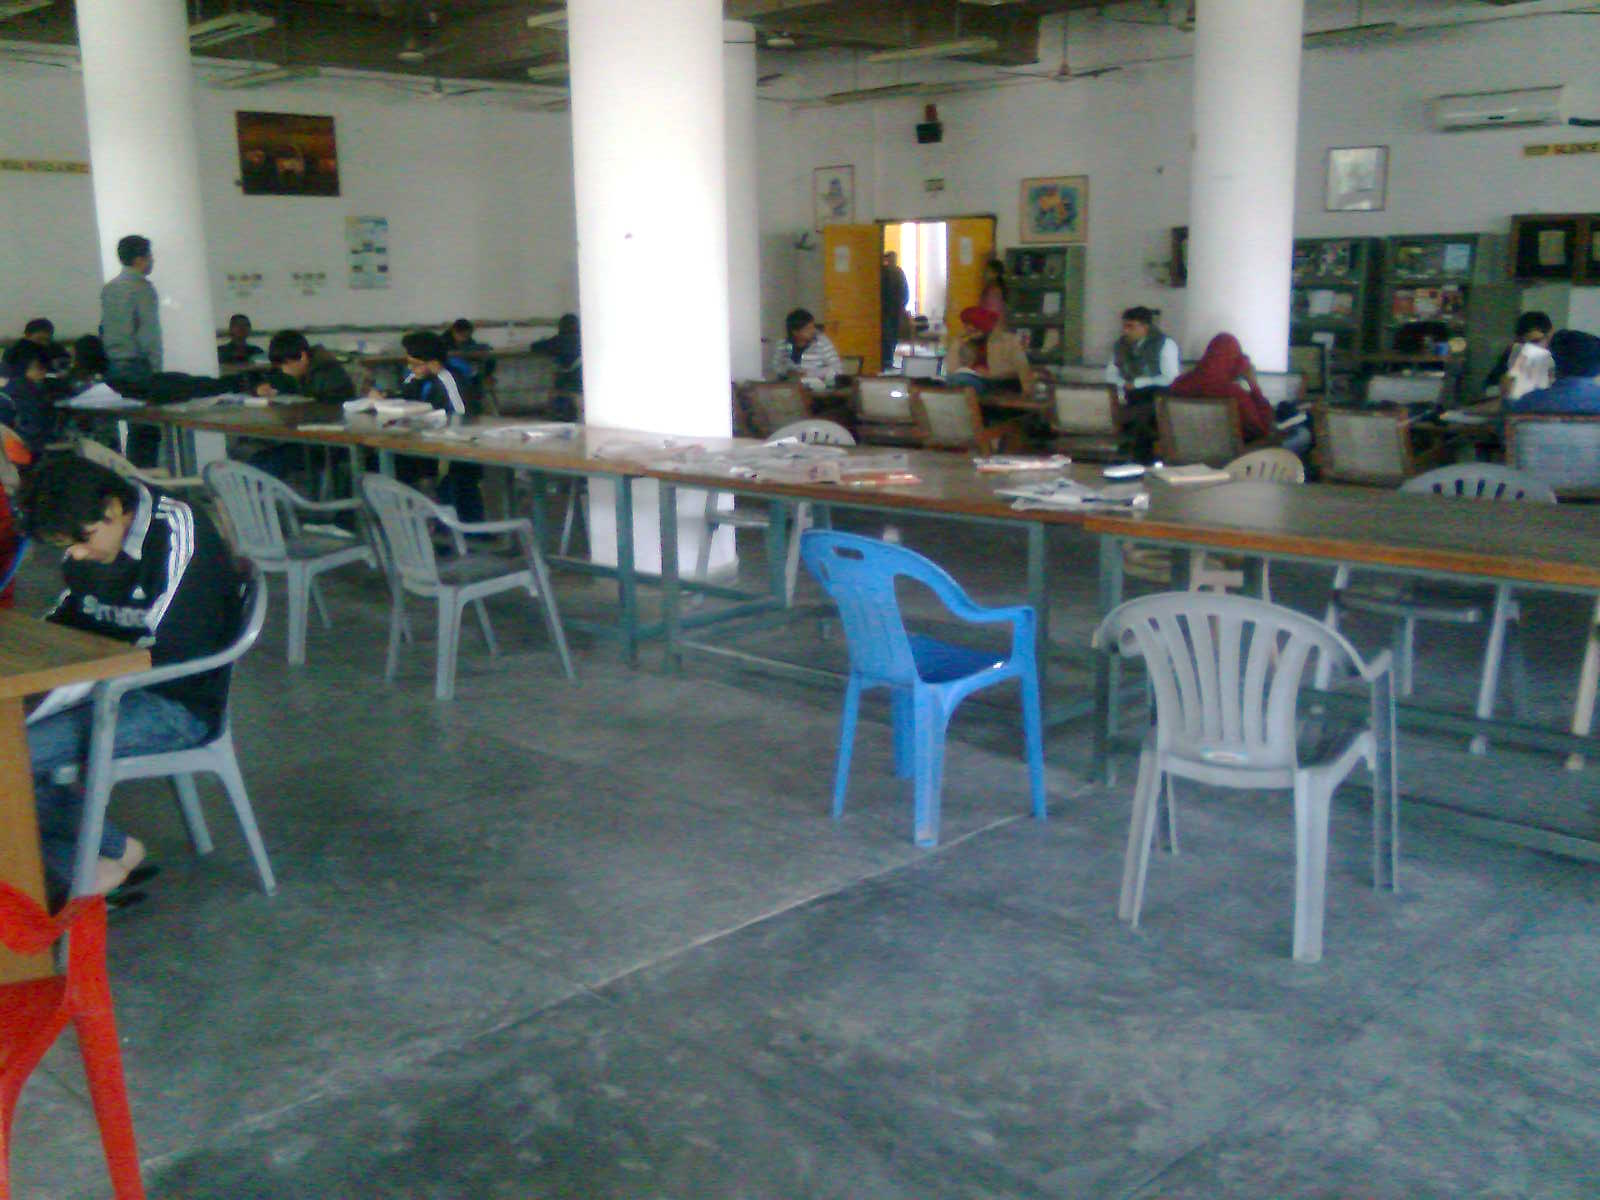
(778, 550)
(1107, 667)
(1588, 684)
(20, 864)
(627, 582)
(1039, 600)
(386, 463)
(539, 508)
(669, 575)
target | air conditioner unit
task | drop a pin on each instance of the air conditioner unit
(1481, 110)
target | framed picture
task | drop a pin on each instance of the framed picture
(833, 196)
(1358, 178)
(287, 154)
(1055, 210)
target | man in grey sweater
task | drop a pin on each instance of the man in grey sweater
(130, 320)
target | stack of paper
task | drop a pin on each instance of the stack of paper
(101, 396)
(1190, 475)
(1022, 462)
(1068, 493)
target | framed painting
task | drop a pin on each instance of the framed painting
(287, 154)
(833, 196)
(1054, 210)
(1358, 179)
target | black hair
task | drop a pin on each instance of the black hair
(135, 245)
(1530, 322)
(568, 323)
(89, 356)
(25, 353)
(461, 325)
(797, 320)
(66, 494)
(42, 325)
(1140, 314)
(239, 317)
(286, 344)
(425, 345)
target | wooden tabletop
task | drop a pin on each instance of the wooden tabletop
(1557, 546)
(36, 656)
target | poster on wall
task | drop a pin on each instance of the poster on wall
(308, 283)
(367, 243)
(287, 154)
(241, 285)
(1055, 210)
(833, 196)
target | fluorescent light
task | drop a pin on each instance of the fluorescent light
(550, 71)
(228, 27)
(17, 7)
(267, 75)
(554, 19)
(974, 45)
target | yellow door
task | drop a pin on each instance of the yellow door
(852, 256)
(969, 243)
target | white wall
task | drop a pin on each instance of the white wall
(1129, 131)
(479, 202)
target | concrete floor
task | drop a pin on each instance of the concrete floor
(602, 940)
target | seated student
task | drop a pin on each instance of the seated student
(989, 357)
(237, 349)
(806, 353)
(140, 567)
(1519, 370)
(1226, 370)
(462, 342)
(40, 332)
(25, 401)
(1577, 385)
(301, 369)
(431, 378)
(565, 348)
(1143, 362)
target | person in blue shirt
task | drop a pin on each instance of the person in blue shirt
(432, 378)
(25, 403)
(1577, 385)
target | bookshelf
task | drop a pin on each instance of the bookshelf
(1460, 280)
(1334, 291)
(1044, 287)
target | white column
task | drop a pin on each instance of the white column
(650, 169)
(1241, 195)
(144, 159)
(744, 232)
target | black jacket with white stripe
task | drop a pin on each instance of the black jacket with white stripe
(173, 588)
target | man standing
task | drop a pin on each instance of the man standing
(894, 293)
(130, 319)
(1144, 361)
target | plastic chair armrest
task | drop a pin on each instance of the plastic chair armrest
(1382, 664)
(447, 516)
(326, 506)
(117, 688)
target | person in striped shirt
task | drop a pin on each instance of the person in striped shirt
(806, 354)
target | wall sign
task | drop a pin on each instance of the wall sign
(44, 166)
(1549, 149)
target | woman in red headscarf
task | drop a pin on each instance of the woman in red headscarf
(1225, 370)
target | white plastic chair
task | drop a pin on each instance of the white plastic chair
(264, 514)
(160, 477)
(812, 432)
(214, 756)
(407, 518)
(1226, 673)
(1207, 572)
(1407, 603)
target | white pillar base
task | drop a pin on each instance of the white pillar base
(647, 530)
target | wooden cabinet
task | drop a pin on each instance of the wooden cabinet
(1556, 248)
(1044, 301)
(1334, 293)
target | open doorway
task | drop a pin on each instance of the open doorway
(921, 250)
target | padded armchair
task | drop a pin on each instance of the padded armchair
(882, 405)
(214, 756)
(1084, 420)
(770, 406)
(1560, 450)
(1368, 445)
(926, 678)
(1226, 673)
(1202, 429)
(951, 418)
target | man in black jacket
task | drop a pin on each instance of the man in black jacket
(301, 369)
(140, 567)
(431, 378)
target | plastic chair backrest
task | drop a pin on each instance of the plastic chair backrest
(406, 516)
(1225, 671)
(947, 416)
(1563, 451)
(256, 505)
(1200, 429)
(883, 398)
(859, 574)
(1272, 465)
(1084, 408)
(106, 457)
(814, 432)
(1481, 481)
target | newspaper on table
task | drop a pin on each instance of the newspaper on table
(518, 434)
(1067, 493)
(101, 396)
(1008, 463)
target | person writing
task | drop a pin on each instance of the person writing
(806, 354)
(140, 567)
(301, 369)
(1225, 370)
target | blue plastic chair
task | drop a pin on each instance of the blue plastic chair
(9, 572)
(927, 678)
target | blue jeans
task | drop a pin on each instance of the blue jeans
(147, 723)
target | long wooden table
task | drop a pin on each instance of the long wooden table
(36, 656)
